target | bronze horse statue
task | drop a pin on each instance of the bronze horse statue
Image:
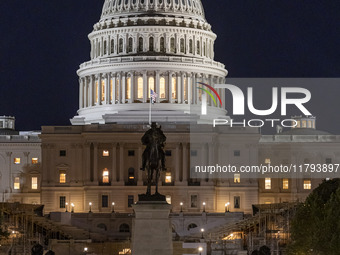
(153, 156)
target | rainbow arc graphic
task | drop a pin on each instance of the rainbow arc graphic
(209, 93)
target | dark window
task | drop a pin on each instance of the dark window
(105, 201)
(62, 202)
(151, 42)
(237, 202)
(131, 153)
(130, 44)
(130, 200)
(140, 44)
(193, 153)
(194, 201)
(124, 228)
(192, 225)
(168, 153)
(237, 153)
(131, 174)
(328, 161)
(62, 153)
(162, 48)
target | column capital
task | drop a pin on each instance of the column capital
(8, 153)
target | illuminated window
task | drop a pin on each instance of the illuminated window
(298, 124)
(106, 176)
(174, 88)
(111, 89)
(103, 90)
(96, 97)
(106, 153)
(162, 88)
(34, 182)
(285, 184)
(131, 174)
(151, 86)
(307, 184)
(17, 183)
(117, 89)
(17, 161)
(268, 183)
(168, 199)
(62, 176)
(128, 88)
(185, 87)
(267, 161)
(237, 178)
(168, 178)
(304, 124)
(140, 88)
(267, 202)
(34, 161)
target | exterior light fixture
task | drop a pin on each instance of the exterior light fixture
(66, 205)
(200, 249)
(227, 207)
(204, 206)
(181, 206)
(202, 231)
(72, 205)
(90, 207)
(113, 207)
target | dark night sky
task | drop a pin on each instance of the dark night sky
(44, 41)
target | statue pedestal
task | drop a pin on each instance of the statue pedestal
(151, 229)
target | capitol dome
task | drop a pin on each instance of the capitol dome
(166, 46)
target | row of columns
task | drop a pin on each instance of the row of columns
(121, 88)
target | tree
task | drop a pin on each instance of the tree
(315, 228)
(3, 232)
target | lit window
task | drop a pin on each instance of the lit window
(17, 161)
(267, 202)
(237, 178)
(285, 184)
(103, 90)
(106, 153)
(151, 86)
(96, 98)
(162, 88)
(34, 161)
(140, 88)
(17, 183)
(267, 161)
(307, 184)
(304, 124)
(34, 182)
(174, 88)
(62, 176)
(168, 178)
(298, 124)
(168, 199)
(117, 89)
(128, 88)
(185, 86)
(111, 89)
(131, 174)
(268, 183)
(106, 176)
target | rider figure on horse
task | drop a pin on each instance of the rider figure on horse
(154, 137)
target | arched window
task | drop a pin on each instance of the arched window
(198, 48)
(106, 176)
(190, 46)
(182, 46)
(102, 226)
(117, 88)
(105, 47)
(128, 88)
(103, 91)
(140, 88)
(130, 45)
(96, 92)
(204, 49)
(151, 43)
(121, 45)
(124, 228)
(140, 44)
(162, 45)
(185, 88)
(112, 46)
(172, 45)
(162, 88)
(111, 89)
(191, 226)
(174, 88)
(151, 86)
(62, 176)
(98, 49)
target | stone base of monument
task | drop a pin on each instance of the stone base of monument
(151, 229)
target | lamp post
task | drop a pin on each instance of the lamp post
(113, 207)
(202, 231)
(204, 206)
(85, 250)
(200, 249)
(72, 205)
(66, 205)
(181, 206)
(227, 207)
(90, 207)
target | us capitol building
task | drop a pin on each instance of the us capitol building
(93, 165)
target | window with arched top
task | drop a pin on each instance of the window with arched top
(174, 88)
(103, 91)
(117, 88)
(182, 46)
(112, 46)
(204, 49)
(151, 86)
(124, 228)
(140, 44)
(140, 88)
(162, 45)
(172, 45)
(105, 176)
(191, 226)
(151, 44)
(198, 48)
(128, 88)
(96, 93)
(102, 226)
(105, 47)
(111, 89)
(130, 46)
(120, 47)
(185, 88)
(191, 46)
(162, 88)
